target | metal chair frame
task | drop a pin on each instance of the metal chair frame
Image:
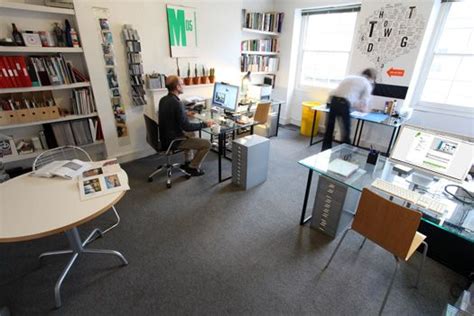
(66, 153)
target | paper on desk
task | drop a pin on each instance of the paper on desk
(358, 114)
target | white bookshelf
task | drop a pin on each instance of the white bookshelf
(45, 88)
(20, 157)
(41, 17)
(247, 30)
(252, 52)
(259, 73)
(34, 8)
(37, 50)
(61, 119)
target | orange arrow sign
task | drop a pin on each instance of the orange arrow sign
(395, 72)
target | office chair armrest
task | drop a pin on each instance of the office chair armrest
(172, 143)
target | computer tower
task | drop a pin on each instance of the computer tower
(250, 156)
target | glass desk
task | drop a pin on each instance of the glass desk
(392, 122)
(458, 219)
(227, 131)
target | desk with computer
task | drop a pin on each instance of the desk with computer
(231, 117)
(426, 171)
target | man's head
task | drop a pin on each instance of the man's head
(174, 84)
(370, 73)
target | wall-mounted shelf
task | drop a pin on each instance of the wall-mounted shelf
(260, 32)
(61, 119)
(33, 155)
(207, 85)
(252, 52)
(28, 50)
(45, 88)
(35, 8)
(259, 73)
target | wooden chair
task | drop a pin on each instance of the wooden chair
(392, 227)
(262, 112)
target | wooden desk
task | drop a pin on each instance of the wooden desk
(32, 208)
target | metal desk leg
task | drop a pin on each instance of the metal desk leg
(251, 129)
(356, 132)
(304, 220)
(219, 155)
(391, 140)
(360, 133)
(312, 127)
(278, 119)
(77, 248)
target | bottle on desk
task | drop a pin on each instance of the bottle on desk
(17, 37)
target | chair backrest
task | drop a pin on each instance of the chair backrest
(262, 112)
(60, 153)
(152, 133)
(388, 224)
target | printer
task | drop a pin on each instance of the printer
(259, 91)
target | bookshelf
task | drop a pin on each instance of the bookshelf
(66, 90)
(259, 52)
(45, 88)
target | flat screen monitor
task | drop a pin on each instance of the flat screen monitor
(225, 96)
(441, 153)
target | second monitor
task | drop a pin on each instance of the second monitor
(225, 96)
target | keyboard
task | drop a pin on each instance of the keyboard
(415, 198)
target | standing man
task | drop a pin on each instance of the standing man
(353, 91)
(173, 123)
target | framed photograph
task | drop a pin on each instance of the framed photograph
(7, 148)
(92, 186)
(32, 39)
(112, 80)
(112, 181)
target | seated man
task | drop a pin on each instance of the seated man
(174, 123)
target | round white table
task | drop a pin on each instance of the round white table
(32, 207)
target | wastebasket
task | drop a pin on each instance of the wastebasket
(307, 115)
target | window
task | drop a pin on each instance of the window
(449, 78)
(325, 46)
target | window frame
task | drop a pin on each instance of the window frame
(434, 107)
(304, 28)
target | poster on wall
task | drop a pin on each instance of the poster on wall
(182, 30)
(388, 38)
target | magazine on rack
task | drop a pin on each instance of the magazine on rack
(103, 177)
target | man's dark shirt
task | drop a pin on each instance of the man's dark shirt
(173, 121)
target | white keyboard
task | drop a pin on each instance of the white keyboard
(416, 198)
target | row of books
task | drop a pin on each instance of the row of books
(265, 21)
(255, 63)
(83, 101)
(76, 133)
(263, 45)
(35, 71)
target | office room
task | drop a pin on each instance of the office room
(238, 157)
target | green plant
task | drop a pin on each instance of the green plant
(189, 70)
(195, 70)
(203, 71)
(212, 72)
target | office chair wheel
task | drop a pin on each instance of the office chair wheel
(150, 179)
(188, 176)
(168, 185)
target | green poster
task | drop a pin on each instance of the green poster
(182, 30)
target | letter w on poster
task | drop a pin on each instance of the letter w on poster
(102, 178)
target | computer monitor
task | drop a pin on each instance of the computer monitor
(225, 96)
(436, 152)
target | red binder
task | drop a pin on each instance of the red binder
(22, 72)
(7, 79)
(12, 72)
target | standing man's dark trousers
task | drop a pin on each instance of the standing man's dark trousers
(339, 108)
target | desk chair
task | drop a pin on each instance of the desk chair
(262, 114)
(153, 139)
(69, 152)
(392, 227)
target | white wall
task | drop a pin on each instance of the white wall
(219, 38)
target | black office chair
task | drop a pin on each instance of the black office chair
(153, 139)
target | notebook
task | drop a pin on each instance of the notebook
(342, 167)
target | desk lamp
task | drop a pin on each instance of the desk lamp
(245, 87)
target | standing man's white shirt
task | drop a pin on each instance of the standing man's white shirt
(356, 90)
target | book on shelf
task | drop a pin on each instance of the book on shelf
(75, 133)
(83, 102)
(263, 45)
(256, 63)
(263, 21)
(36, 71)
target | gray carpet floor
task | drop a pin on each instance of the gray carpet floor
(206, 248)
